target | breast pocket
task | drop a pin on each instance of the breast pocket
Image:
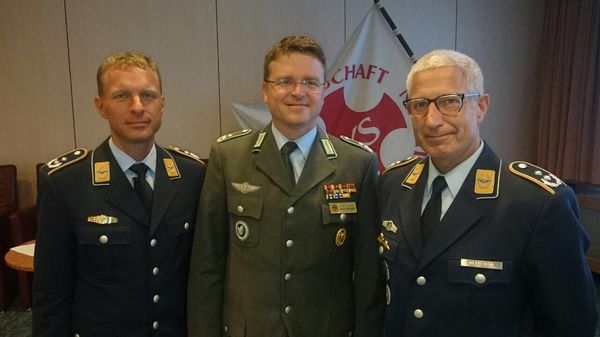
(244, 218)
(180, 231)
(337, 229)
(104, 248)
(479, 273)
(486, 287)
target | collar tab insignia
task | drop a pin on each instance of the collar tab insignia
(485, 181)
(328, 148)
(171, 167)
(260, 139)
(101, 173)
(413, 176)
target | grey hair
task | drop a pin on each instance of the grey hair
(444, 58)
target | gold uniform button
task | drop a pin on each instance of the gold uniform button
(418, 313)
(380, 249)
(240, 209)
(103, 239)
(421, 280)
(480, 278)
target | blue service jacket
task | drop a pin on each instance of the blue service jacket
(121, 277)
(507, 258)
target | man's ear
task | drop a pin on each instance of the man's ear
(482, 107)
(99, 104)
(264, 92)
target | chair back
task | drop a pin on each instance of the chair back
(8, 189)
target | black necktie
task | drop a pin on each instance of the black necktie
(287, 162)
(433, 210)
(141, 186)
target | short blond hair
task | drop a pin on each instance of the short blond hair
(123, 60)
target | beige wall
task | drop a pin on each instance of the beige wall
(210, 55)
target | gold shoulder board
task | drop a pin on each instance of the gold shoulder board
(65, 160)
(400, 163)
(185, 153)
(233, 135)
(356, 143)
(536, 175)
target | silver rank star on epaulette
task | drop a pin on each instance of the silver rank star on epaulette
(356, 143)
(233, 135)
(186, 153)
(535, 174)
(65, 160)
(400, 163)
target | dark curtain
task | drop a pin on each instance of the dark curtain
(569, 116)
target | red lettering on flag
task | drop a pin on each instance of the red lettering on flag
(368, 127)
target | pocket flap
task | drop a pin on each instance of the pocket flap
(480, 277)
(245, 205)
(329, 218)
(105, 235)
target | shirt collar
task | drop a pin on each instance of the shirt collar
(304, 142)
(456, 176)
(125, 161)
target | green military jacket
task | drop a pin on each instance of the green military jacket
(271, 259)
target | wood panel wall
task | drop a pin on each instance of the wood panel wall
(210, 54)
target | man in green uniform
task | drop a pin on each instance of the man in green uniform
(285, 244)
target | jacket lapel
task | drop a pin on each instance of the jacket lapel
(164, 189)
(118, 191)
(317, 167)
(267, 159)
(411, 214)
(464, 212)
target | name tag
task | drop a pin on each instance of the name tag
(483, 264)
(342, 207)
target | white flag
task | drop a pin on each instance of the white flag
(365, 90)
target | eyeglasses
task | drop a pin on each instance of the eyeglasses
(448, 105)
(287, 84)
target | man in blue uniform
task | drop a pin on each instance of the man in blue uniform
(115, 224)
(471, 245)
